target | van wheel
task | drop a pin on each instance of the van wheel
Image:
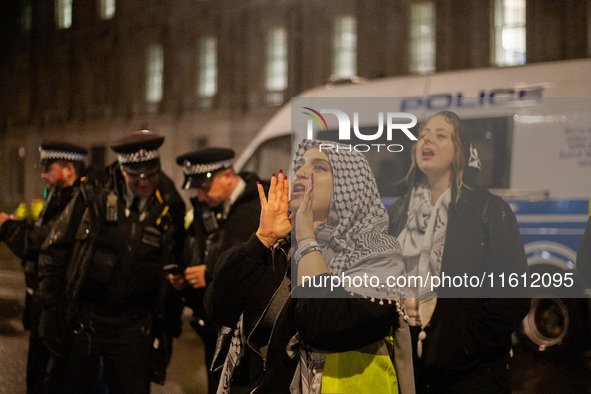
(555, 326)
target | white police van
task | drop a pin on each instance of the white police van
(532, 128)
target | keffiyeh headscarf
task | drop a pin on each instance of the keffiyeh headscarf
(357, 228)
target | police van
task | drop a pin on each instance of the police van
(532, 128)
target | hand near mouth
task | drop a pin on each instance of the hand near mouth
(304, 222)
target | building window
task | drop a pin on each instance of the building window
(26, 16)
(509, 34)
(422, 37)
(63, 11)
(155, 67)
(345, 47)
(276, 79)
(106, 9)
(208, 71)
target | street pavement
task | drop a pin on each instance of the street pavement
(13, 339)
(186, 373)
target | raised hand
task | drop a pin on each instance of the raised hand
(274, 222)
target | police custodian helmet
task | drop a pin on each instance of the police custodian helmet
(138, 153)
(201, 166)
(50, 151)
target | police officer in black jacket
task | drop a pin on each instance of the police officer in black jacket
(105, 297)
(62, 164)
(226, 212)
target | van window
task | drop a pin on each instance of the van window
(271, 156)
(490, 138)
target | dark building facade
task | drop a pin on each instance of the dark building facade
(211, 72)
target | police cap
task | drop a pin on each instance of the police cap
(138, 152)
(201, 166)
(50, 151)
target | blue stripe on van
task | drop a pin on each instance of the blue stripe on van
(554, 207)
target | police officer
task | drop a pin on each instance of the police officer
(62, 164)
(103, 287)
(226, 212)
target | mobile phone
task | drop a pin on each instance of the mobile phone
(174, 269)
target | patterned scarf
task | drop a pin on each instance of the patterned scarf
(232, 359)
(357, 222)
(354, 242)
(238, 341)
(424, 236)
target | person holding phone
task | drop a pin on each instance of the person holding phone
(225, 212)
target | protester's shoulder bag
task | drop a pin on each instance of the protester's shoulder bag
(222, 346)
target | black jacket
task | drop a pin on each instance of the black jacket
(68, 254)
(246, 280)
(25, 237)
(468, 332)
(202, 247)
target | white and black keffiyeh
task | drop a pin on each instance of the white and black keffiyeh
(355, 242)
(233, 358)
(424, 234)
(238, 341)
(357, 222)
(423, 238)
